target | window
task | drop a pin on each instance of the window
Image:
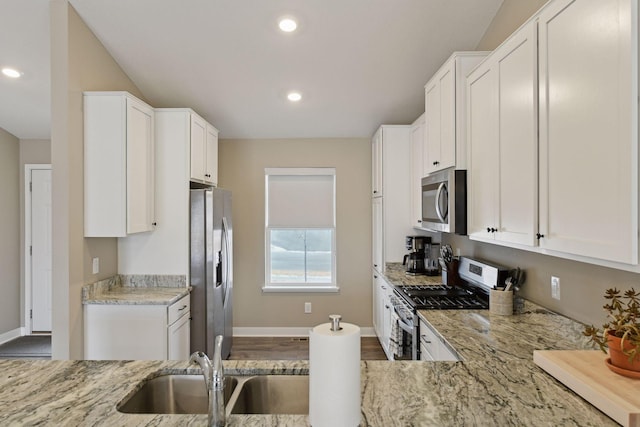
(300, 231)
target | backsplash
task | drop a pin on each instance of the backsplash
(582, 285)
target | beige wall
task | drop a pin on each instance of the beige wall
(582, 285)
(242, 164)
(510, 16)
(32, 151)
(9, 232)
(79, 63)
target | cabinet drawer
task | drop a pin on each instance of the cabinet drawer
(179, 309)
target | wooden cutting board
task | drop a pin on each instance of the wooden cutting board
(585, 372)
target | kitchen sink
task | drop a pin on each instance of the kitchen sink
(186, 394)
(272, 394)
(173, 394)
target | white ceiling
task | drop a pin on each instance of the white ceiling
(25, 103)
(357, 63)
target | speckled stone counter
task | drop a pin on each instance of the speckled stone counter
(136, 289)
(395, 274)
(497, 384)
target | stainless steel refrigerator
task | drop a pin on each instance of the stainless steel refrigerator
(211, 270)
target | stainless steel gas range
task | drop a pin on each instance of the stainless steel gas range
(472, 293)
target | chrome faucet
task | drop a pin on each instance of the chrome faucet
(214, 381)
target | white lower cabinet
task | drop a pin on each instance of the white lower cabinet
(433, 347)
(382, 309)
(137, 332)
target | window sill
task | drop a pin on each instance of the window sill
(301, 289)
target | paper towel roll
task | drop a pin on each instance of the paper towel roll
(334, 376)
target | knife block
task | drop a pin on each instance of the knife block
(450, 276)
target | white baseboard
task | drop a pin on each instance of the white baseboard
(11, 335)
(286, 332)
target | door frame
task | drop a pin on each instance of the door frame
(27, 285)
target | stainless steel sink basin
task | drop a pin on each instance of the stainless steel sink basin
(173, 394)
(186, 394)
(272, 394)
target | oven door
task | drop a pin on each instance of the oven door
(406, 321)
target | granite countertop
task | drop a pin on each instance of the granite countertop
(395, 274)
(136, 290)
(496, 384)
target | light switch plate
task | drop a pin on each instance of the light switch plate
(555, 287)
(96, 265)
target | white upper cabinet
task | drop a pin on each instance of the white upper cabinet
(204, 151)
(391, 153)
(502, 142)
(588, 53)
(417, 170)
(445, 133)
(376, 164)
(166, 250)
(211, 153)
(118, 165)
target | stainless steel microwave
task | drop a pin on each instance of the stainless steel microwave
(444, 201)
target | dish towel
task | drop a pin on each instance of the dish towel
(396, 338)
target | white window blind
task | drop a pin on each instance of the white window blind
(300, 222)
(300, 197)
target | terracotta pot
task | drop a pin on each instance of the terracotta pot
(618, 358)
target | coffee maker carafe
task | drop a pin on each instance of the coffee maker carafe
(414, 261)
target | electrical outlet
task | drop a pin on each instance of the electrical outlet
(555, 287)
(96, 265)
(307, 307)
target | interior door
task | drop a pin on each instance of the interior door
(41, 250)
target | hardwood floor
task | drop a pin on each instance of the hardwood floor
(292, 348)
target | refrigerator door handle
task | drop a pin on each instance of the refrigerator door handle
(225, 257)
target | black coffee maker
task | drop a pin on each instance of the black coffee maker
(414, 261)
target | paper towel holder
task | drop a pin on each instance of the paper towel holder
(335, 322)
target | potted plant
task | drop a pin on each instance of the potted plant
(622, 333)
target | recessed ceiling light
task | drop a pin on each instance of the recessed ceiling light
(11, 72)
(294, 96)
(288, 25)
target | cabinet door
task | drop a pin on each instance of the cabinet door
(140, 167)
(517, 196)
(211, 149)
(125, 332)
(384, 313)
(483, 148)
(377, 303)
(386, 319)
(417, 138)
(178, 338)
(440, 119)
(198, 144)
(588, 118)
(447, 80)
(432, 124)
(377, 243)
(376, 165)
